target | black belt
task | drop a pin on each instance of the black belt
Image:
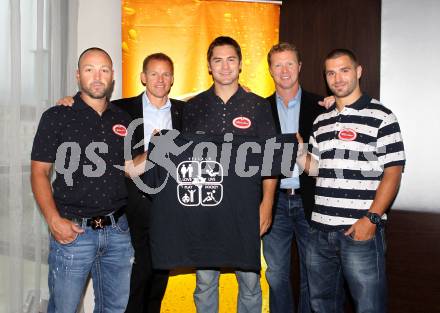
(99, 222)
(290, 191)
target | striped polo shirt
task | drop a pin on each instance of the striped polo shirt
(352, 147)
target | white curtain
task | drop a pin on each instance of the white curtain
(36, 38)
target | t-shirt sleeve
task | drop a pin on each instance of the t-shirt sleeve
(151, 176)
(157, 149)
(47, 138)
(313, 147)
(390, 150)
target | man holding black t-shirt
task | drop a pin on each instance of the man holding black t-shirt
(227, 108)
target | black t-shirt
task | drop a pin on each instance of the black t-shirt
(207, 214)
(90, 147)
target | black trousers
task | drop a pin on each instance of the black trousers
(147, 286)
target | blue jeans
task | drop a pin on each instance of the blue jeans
(107, 254)
(206, 292)
(289, 221)
(333, 257)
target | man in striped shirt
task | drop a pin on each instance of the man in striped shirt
(357, 153)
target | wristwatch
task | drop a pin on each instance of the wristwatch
(374, 217)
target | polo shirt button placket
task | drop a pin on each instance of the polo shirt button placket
(338, 124)
(101, 127)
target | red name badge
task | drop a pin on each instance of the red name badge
(241, 122)
(347, 134)
(120, 130)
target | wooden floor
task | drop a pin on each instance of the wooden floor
(413, 263)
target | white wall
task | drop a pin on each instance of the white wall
(99, 25)
(410, 69)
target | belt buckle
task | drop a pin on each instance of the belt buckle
(97, 222)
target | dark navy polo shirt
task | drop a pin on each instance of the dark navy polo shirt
(95, 146)
(245, 113)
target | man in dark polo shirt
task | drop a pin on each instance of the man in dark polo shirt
(84, 209)
(157, 111)
(227, 108)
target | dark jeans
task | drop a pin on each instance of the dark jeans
(288, 222)
(147, 286)
(333, 257)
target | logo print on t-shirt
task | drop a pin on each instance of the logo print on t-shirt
(347, 134)
(241, 122)
(199, 183)
(120, 130)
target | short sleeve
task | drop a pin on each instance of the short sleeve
(313, 147)
(389, 149)
(47, 138)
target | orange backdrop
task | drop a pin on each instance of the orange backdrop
(183, 29)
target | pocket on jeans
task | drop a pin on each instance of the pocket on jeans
(122, 225)
(312, 230)
(65, 244)
(360, 242)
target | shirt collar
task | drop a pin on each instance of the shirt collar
(292, 102)
(79, 104)
(359, 104)
(237, 95)
(147, 103)
(113, 107)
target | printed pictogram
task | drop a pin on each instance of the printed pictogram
(199, 183)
